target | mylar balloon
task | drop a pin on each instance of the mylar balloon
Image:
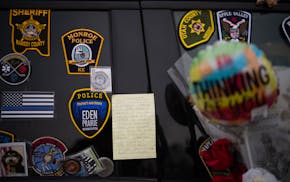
(232, 83)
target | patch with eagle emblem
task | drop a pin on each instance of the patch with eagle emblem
(30, 30)
(234, 25)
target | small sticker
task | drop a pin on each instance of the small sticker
(47, 154)
(108, 167)
(30, 30)
(6, 137)
(13, 159)
(89, 111)
(72, 167)
(234, 25)
(286, 27)
(101, 79)
(196, 27)
(82, 48)
(15, 69)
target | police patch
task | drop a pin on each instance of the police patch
(30, 30)
(89, 111)
(15, 69)
(196, 27)
(286, 27)
(47, 154)
(234, 25)
(82, 48)
(6, 137)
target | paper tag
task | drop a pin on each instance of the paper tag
(101, 79)
(259, 113)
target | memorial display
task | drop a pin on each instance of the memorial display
(74, 105)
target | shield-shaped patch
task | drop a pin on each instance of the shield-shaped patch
(234, 25)
(30, 30)
(89, 111)
(6, 137)
(286, 27)
(196, 27)
(82, 48)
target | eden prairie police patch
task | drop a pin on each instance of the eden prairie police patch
(82, 48)
(234, 25)
(30, 30)
(89, 111)
(196, 27)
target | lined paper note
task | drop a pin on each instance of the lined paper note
(133, 124)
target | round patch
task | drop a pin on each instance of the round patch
(71, 166)
(108, 167)
(47, 154)
(81, 53)
(15, 69)
(100, 80)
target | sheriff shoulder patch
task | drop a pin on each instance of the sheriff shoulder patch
(234, 25)
(82, 48)
(196, 27)
(89, 111)
(30, 30)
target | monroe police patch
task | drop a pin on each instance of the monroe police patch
(89, 111)
(14, 69)
(30, 30)
(82, 48)
(196, 27)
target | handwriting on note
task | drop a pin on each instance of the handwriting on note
(133, 125)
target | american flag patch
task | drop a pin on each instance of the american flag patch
(27, 104)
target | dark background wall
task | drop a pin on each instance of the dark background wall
(140, 45)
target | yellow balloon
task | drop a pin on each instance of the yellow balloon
(231, 82)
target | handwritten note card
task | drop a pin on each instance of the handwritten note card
(133, 124)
